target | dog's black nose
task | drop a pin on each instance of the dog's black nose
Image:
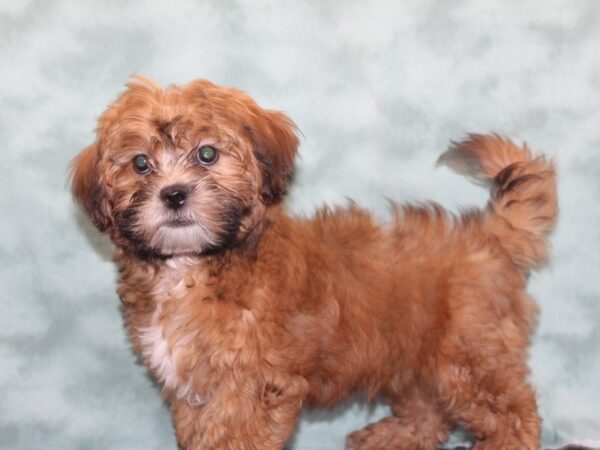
(174, 196)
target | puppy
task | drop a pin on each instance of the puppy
(244, 314)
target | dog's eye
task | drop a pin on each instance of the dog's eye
(207, 155)
(140, 164)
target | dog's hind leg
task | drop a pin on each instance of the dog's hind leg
(498, 405)
(417, 424)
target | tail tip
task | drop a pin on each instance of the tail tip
(461, 156)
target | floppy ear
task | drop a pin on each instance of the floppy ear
(87, 190)
(273, 136)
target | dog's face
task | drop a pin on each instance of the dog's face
(183, 170)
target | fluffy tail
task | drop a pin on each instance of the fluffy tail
(523, 207)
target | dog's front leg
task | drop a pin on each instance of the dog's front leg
(245, 413)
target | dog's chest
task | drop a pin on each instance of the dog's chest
(168, 337)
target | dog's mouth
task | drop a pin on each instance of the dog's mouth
(178, 222)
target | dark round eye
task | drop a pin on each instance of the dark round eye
(207, 155)
(140, 164)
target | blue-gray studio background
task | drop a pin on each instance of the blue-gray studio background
(378, 89)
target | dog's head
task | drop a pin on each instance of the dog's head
(183, 170)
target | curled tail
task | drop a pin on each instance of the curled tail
(523, 207)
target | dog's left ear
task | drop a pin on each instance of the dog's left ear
(275, 141)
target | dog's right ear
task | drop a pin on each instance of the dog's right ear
(87, 188)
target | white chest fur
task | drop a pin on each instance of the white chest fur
(162, 347)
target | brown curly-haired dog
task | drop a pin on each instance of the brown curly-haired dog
(244, 314)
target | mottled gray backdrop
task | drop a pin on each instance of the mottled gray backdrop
(378, 89)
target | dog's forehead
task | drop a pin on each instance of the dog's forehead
(167, 125)
(148, 118)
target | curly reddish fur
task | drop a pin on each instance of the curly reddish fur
(243, 327)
